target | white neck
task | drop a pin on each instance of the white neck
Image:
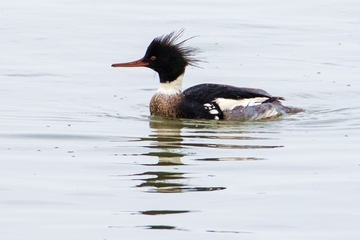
(171, 88)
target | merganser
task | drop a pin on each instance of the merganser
(204, 101)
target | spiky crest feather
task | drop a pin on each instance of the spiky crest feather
(187, 52)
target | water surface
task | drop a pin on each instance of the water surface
(81, 159)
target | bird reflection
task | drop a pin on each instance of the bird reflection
(170, 182)
(165, 182)
(166, 143)
(170, 141)
(166, 137)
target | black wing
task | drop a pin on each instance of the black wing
(199, 102)
(204, 93)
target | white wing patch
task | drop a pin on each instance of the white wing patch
(212, 110)
(230, 104)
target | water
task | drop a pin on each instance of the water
(81, 159)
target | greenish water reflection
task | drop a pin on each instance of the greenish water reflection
(170, 141)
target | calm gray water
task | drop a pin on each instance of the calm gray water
(81, 159)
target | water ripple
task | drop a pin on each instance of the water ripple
(169, 182)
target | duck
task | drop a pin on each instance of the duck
(169, 57)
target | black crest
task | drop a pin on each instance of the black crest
(169, 57)
(168, 44)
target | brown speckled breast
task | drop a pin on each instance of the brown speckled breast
(165, 105)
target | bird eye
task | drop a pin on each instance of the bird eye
(152, 58)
